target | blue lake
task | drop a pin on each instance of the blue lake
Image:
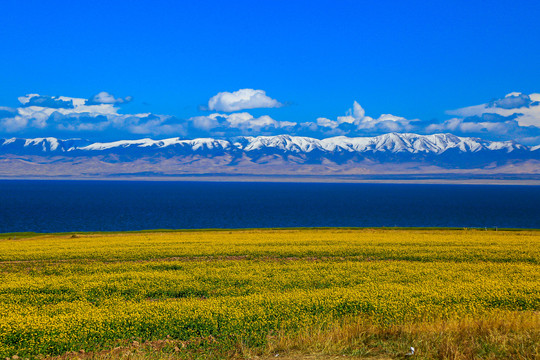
(57, 206)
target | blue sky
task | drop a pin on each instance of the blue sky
(435, 66)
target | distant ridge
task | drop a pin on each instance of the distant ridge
(392, 142)
(392, 153)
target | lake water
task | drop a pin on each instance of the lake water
(58, 206)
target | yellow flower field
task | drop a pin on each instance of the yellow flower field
(63, 293)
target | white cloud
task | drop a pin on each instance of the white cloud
(157, 125)
(465, 126)
(515, 116)
(205, 123)
(13, 124)
(82, 115)
(243, 121)
(46, 101)
(525, 109)
(106, 98)
(241, 100)
(356, 120)
(324, 122)
(246, 120)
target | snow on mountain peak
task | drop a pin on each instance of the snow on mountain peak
(49, 142)
(386, 143)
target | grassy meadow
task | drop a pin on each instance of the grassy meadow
(313, 293)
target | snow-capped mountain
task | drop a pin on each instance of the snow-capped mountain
(39, 145)
(263, 155)
(390, 143)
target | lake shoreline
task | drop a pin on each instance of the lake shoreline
(293, 179)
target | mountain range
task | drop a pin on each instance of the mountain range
(388, 154)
